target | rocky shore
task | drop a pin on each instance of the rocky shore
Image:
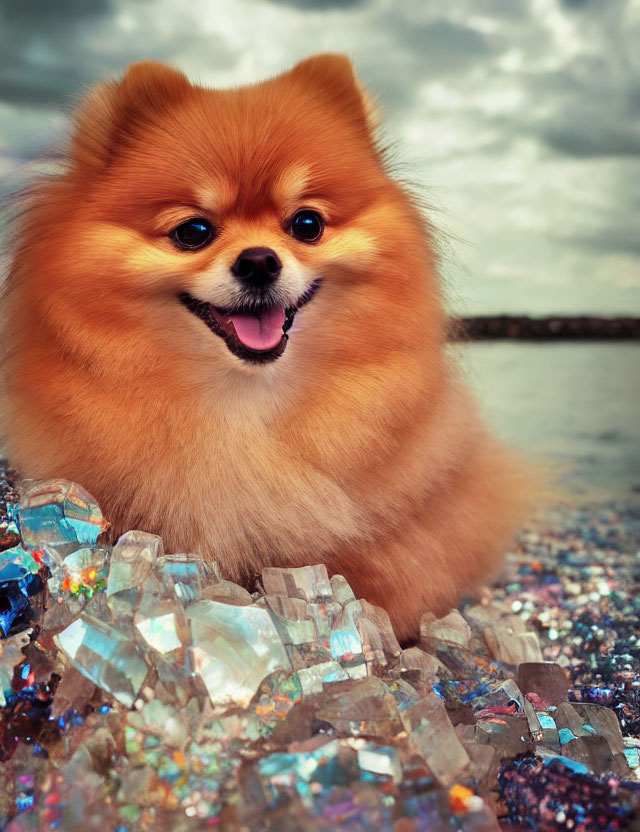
(550, 328)
(142, 691)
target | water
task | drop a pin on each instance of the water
(577, 403)
(573, 402)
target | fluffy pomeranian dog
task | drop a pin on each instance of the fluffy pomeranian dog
(223, 319)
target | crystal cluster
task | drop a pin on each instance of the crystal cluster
(143, 691)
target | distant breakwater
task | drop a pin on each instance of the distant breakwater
(549, 328)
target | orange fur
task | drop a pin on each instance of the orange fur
(359, 447)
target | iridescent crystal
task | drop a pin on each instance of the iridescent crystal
(509, 644)
(432, 736)
(361, 707)
(234, 648)
(22, 591)
(227, 593)
(501, 697)
(313, 678)
(231, 712)
(73, 582)
(310, 583)
(508, 733)
(58, 513)
(324, 616)
(342, 592)
(11, 654)
(602, 721)
(162, 721)
(380, 759)
(546, 679)
(291, 619)
(345, 641)
(188, 574)
(549, 730)
(300, 768)
(380, 618)
(163, 626)
(107, 657)
(452, 628)
(132, 559)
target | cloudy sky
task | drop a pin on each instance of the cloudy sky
(518, 120)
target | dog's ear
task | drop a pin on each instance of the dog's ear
(111, 113)
(332, 75)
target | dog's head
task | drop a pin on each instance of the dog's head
(227, 222)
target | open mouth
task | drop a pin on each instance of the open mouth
(257, 334)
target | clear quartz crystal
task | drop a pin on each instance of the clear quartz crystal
(301, 685)
(361, 707)
(188, 574)
(510, 643)
(380, 759)
(314, 678)
(227, 593)
(602, 721)
(105, 656)
(432, 736)
(380, 619)
(163, 626)
(310, 583)
(546, 679)
(291, 618)
(341, 590)
(234, 648)
(132, 559)
(452, 628)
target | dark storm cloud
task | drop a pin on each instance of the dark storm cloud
(529, 106)
(617, 239)
(40, 55)
(617, 231)
(586, 136)
(432, 50)
(25, 85)
(447, 46)
(58, 13)
(50, 50)
(575, 4)
(319, 5)
(592, 110)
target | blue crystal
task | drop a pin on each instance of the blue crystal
(579, 768)
(18, 587)
(633, 756)
(59, 514)
(24, 802)
(565, 735)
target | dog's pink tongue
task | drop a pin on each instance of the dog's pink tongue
(259, 332)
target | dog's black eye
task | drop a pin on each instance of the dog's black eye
(193, 234)
(307, 225)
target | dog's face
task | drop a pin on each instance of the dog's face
(228, 222)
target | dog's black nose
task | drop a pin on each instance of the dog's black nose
(257, 266)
